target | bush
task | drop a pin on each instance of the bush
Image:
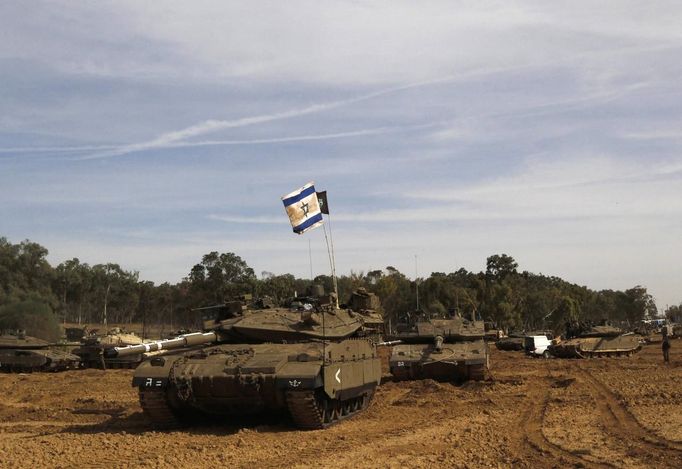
(32, 315)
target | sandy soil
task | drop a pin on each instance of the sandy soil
(620, 412)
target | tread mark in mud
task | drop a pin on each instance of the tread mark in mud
(531, 423)
(618, 420)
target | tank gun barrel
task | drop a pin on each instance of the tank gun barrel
(391, 342)
(438, 343)
(182, 341)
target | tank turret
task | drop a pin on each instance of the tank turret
(309, 358)
(442, 349)
(369, 306)
(94, 349)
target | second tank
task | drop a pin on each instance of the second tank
(441, 349)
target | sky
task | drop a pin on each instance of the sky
(151, 133)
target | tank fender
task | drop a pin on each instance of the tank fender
(297, 376)
(153, 374)
(351, 366)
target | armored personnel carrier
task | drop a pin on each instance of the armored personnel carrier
(22, 354)
(93, 347)
(442, 349)
(586, 341)
(309, 359)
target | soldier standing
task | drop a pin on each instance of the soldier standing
(665, 345)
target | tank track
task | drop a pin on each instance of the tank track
(33, 369)
(312, 410)
(609, 353)
(157, 410)
(476, 372)
(21, 369)
(122, 365)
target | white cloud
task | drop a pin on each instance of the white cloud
(412, 41)
(331, 42)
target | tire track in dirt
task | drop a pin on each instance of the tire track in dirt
(531, 424)
(619, 422)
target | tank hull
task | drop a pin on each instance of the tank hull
(94, 356)
(26, 361)
(510, 343)
(244, 379)
(588, 347)
(459, 361)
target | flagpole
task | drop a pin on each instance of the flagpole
(331, 237)
(310, 257)
(331, 265)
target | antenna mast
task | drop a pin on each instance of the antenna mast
(416, 280)
(310, 257)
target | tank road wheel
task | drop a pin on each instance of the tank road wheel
(157, 410)
(312, 410)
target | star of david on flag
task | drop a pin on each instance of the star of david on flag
(303, 209)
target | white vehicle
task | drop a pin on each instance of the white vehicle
(537, 345)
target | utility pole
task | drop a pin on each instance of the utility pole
(106, 298)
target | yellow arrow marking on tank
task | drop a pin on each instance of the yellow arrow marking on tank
(337, 375)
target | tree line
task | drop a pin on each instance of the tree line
(77, 292)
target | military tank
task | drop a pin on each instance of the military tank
(24, 354)
(587, 341)
(514, 341)
(441, 349)
(93, 347)
(310, 359)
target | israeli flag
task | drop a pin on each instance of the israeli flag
(303, 208)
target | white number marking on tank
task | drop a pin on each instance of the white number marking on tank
(294, 383)
(338, 372)
(150, 382)
(401, 363)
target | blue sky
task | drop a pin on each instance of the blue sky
(151, 133)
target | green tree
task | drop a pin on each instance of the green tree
(221, 276)
(499, 266)
(33, 315)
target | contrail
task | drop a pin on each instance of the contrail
(167, 139)
(262, 141)
(296, 138)
(57, 149)
(173, 138)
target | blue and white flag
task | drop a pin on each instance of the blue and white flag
(303, 209)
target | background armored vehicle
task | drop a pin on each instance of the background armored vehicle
(75, 334)
(585, 341)
(369, 305)
(21, 353)
(515, 339)
(92, 350)
(441, 349)
(307, 359)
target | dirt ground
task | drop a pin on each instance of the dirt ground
(618, 412)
